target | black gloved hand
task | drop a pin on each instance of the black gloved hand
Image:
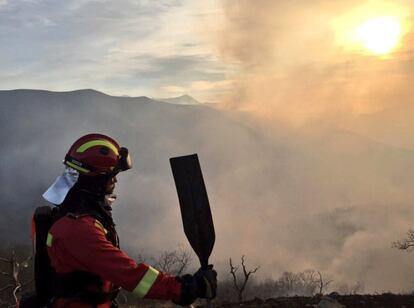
(202, 284)
(207, 282)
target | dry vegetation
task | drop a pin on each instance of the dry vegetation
(239, 284)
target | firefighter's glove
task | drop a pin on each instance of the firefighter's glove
(202, 284)
(207, 282)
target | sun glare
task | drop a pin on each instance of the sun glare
(379, 35)
(376, 27)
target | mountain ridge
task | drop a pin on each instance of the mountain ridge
(267, 192)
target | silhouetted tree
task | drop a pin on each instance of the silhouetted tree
(323, 285)
(406, 243)
(306, 283)
(240, 286)
(173, 262)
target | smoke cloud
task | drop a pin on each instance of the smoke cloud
(328, 200)
(295, 65)
(306, 88)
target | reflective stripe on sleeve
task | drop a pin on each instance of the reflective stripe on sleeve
(49, 240)
(146, 282)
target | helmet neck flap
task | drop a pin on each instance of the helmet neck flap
(90, 164)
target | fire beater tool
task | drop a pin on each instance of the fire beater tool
(194, 205)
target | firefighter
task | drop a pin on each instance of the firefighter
(89, 268)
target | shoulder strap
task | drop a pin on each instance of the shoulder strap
(83, 286)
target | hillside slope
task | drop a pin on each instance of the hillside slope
(337, 198)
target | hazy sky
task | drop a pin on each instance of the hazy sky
(304, 59)
(296, 56)
(153, 48)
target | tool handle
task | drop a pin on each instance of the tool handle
(204, 265)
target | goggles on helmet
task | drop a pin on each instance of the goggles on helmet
(124, 163)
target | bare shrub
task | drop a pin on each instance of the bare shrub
(174, 262)
(305, 283)
(407, 243)
(239, 283)
(346, 289)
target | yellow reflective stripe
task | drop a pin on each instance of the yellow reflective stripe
(94, 143)
(77, 167)
(49, 240)
(100, 226)
(146, 282)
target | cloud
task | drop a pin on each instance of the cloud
(183, 68)
(70, 39)
(174, 89)
(118, 48)
(156, 74)
(205, 85)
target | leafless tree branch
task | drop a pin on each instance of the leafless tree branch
(322, 285)
(406, 243)
(173, 262)
(246, 276)
(233, 271)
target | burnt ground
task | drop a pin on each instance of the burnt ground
(386, 300)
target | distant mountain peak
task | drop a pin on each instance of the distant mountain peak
(186, 96)
(88, 90)
(79, 91)
(180, 100)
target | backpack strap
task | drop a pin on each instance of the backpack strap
(83, 286)
(42, 221)
(109, 228)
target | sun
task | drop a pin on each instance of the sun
(375, 27)
(379, 35)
